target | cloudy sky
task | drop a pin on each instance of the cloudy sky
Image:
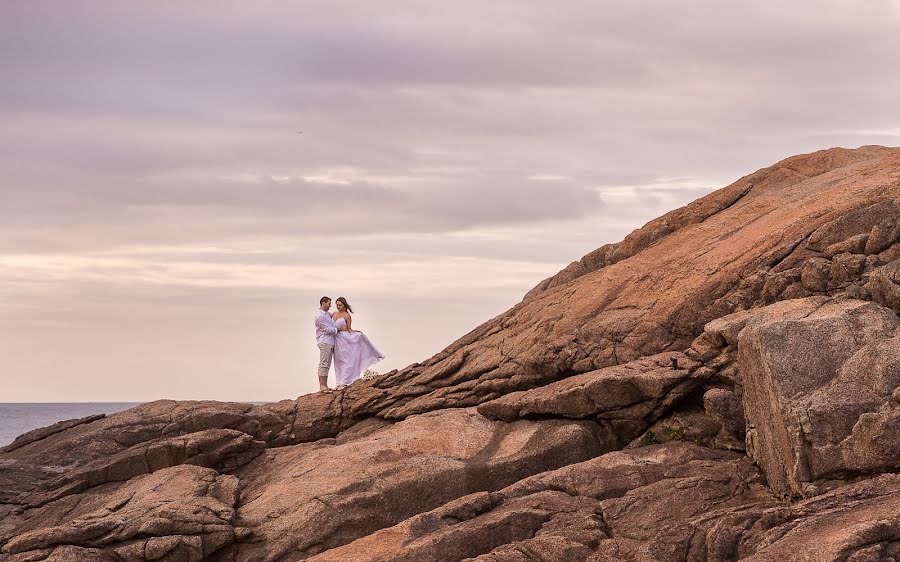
(166, 230)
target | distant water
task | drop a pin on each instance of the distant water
(16, 419)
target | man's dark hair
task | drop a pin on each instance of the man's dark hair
(323, 299)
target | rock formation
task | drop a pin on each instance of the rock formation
(723, 384)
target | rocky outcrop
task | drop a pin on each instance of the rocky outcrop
(662, 502)
(610, 504)
(42, 433)
(182, 512)
(626, 398)
(819, 375)
(884, 285)
(144, 439)
(329, 489)
(723, 384)
(337, 492)
(858, 522)
(789, 231)
(637, 390)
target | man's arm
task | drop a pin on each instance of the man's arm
(325, 325)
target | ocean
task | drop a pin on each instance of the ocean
(16, 419)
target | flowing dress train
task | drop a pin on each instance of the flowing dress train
(353, 354)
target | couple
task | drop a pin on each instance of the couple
(351, 349)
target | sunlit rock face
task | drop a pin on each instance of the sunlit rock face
(723, 384)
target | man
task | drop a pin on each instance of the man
(325, 332)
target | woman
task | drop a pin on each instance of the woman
(353, 352)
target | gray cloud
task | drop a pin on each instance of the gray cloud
(128, 116)
(151, 149)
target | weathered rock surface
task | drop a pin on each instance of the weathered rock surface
(857, 523)
(662, 502)
(635, 504)
(818, 376)
(140, 440)
(723, 384)
(884, 285)
(626, 398)
(339, 492)
(182, 512)
(631, 391)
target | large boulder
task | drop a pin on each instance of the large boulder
(819, 376)
(884, 285)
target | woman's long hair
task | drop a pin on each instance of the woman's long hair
(345, 303)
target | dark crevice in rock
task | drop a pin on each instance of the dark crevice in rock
(787, 251)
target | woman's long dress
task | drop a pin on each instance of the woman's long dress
(353, 354)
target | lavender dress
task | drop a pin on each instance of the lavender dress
(353, 354)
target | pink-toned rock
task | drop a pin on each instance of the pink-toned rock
(856, 523)
(662, 503)
(884, 285)
(67, 554)
(186, 510)
(222, 448)
(811, 368)
(619, 502)
(108, 442)
(632, 391)
(726, 408)
(303, 499)
(45, 432)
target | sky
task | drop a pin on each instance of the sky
(181, 181)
